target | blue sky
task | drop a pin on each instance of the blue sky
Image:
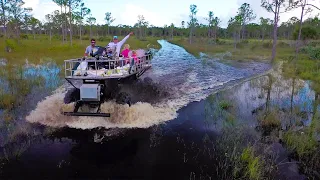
(160, 12)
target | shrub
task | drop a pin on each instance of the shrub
(76, 37)
(57, 37)
(270, 120)
(85, 38)
(313, 52)
(307, 32)
(101, 39)
(300, 142)
(221, 42)
(267, 44)
(314, 43)
(245, 41)
(211, 42)
(225, 105)
(10, 44)
(24, 36)
(283, 44)
(254, 46)
(7, 101)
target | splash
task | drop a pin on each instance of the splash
(139, 115)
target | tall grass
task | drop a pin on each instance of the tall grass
(300, 142)
(241, 157)
(253, 164)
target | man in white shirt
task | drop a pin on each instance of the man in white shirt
(116, 45)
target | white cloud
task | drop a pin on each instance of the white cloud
(130, 14)
(41, 7)
(31, 3)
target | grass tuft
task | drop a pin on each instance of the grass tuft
(253, 164)
(300, 142)
(225, 105)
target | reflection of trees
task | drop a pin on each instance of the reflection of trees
(316, 87)
(265, 85)
(277, 89)
(279, 86)
(292, 94)
(268, 88)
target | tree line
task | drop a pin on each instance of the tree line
(74, 20)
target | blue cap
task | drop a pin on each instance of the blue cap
(115, 37)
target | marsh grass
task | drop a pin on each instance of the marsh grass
(15, 87)
(246, 50)
(225, 105)
(219, 109)
(304, 147)
(242, 155)
(35, 50)
(269, 120)
(253, 164)
(13, 150)
(300, 142)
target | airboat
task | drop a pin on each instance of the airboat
(99, 78)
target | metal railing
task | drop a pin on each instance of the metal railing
(104, 68)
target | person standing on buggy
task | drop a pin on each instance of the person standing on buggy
(115, 45)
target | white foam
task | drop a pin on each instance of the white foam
(140, 115)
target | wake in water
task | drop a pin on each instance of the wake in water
(176, 79)
(139, 115)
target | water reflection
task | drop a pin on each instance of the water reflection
(265, 93)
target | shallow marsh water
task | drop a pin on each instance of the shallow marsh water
(202, 104)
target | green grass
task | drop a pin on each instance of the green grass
(300, 142)
(40, 48)
(225, 104)
(246, 50)
(253, 164)
(305, 69)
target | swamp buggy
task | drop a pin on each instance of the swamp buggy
(100, 76)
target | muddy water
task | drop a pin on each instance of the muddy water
(154, 140)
